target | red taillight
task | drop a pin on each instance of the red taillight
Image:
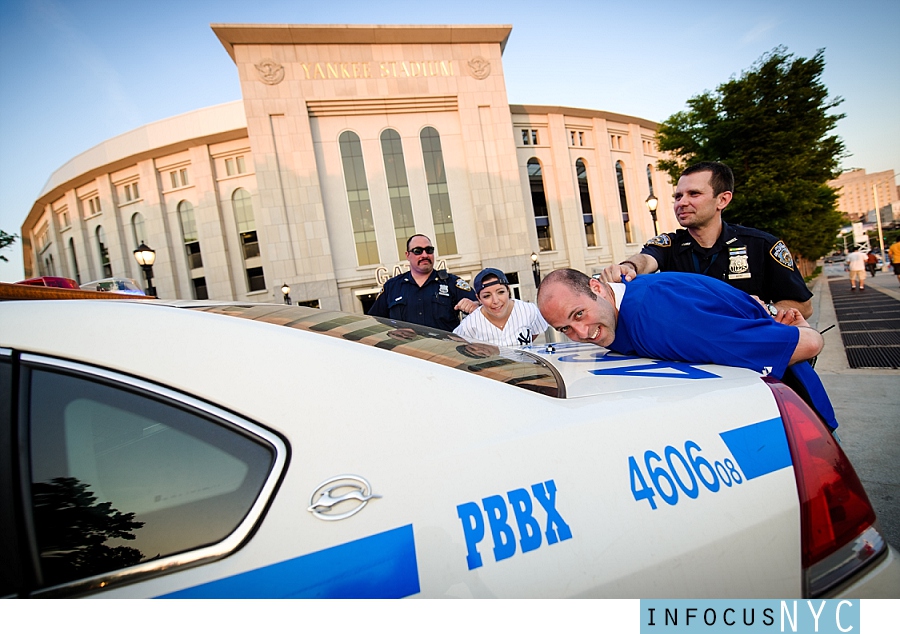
(834, 507)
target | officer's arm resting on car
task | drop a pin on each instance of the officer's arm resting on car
(638, 264)
(784, 305)
(810, 342)
(805, 308)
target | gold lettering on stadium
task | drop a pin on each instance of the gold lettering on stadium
(377, 70)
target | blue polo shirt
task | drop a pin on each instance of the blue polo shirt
(698, 319)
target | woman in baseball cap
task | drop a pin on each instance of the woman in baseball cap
(501, 319)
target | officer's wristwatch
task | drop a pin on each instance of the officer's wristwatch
(772, 308)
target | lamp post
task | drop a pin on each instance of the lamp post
(535, 269)
(146, 256)
(652, 202)
(286, 291)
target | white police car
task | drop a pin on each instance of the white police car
(273, 451)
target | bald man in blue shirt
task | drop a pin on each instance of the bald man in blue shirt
(688, 318)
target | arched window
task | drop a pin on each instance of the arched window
(74, 261)
(539, 202)
(587, 213)
(438, 192)
(189, 233)
(358, 199)
(246, 223)
(623, 200)
(103, 252)
(398, 188)
(192, 249)
(650, 178)
(246, 226)
(137, 230)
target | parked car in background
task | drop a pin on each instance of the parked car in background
(261, 450)
(115, 285)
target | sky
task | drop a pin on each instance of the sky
(74, 73)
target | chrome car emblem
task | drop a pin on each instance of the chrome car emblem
(350, 489)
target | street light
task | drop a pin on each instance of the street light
(286, 291)
(652, 202)
(535, 269)
(146, 256)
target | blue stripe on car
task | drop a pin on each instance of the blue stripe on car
(759, 448)
(381, 566)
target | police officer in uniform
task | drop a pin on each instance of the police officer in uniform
(424, 296)
(754, 261)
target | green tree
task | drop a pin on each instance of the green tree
(771, 126)
(6, 240)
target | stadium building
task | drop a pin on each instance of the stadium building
(349, 139)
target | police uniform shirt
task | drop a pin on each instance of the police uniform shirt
(754, 261)
(429, 305)
(696, 319)
(525, 322)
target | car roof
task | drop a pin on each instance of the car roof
(507, 365)
(504, 365)
(561, 370)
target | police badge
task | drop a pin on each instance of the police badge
(738, 263)
(782, 255)
(462, 284)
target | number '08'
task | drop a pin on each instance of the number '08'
(677, 473)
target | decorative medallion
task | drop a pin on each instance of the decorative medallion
(270, 71)
(479, 67)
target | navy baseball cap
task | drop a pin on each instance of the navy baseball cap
(479, 279)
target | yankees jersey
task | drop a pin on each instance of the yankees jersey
(524, 324)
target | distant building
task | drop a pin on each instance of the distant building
(348, 140)
(857, 197)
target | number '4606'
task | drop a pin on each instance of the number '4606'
(673, 474)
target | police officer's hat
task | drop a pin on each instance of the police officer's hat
(479, 279)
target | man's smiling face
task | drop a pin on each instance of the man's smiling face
(578, 316)
(696, 206)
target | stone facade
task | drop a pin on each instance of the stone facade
(311, 94)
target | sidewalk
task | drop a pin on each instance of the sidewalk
(866, 401)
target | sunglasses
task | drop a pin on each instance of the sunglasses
(418, 250)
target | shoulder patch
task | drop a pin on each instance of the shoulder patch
(662, 240)
(464, 285)
(782, 255)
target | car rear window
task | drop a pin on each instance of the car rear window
(507, 365)
(121, 478)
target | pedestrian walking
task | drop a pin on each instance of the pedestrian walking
(856, 264)
(894, 252)
(871, 263)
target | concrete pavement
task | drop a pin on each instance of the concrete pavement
(867, 403)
